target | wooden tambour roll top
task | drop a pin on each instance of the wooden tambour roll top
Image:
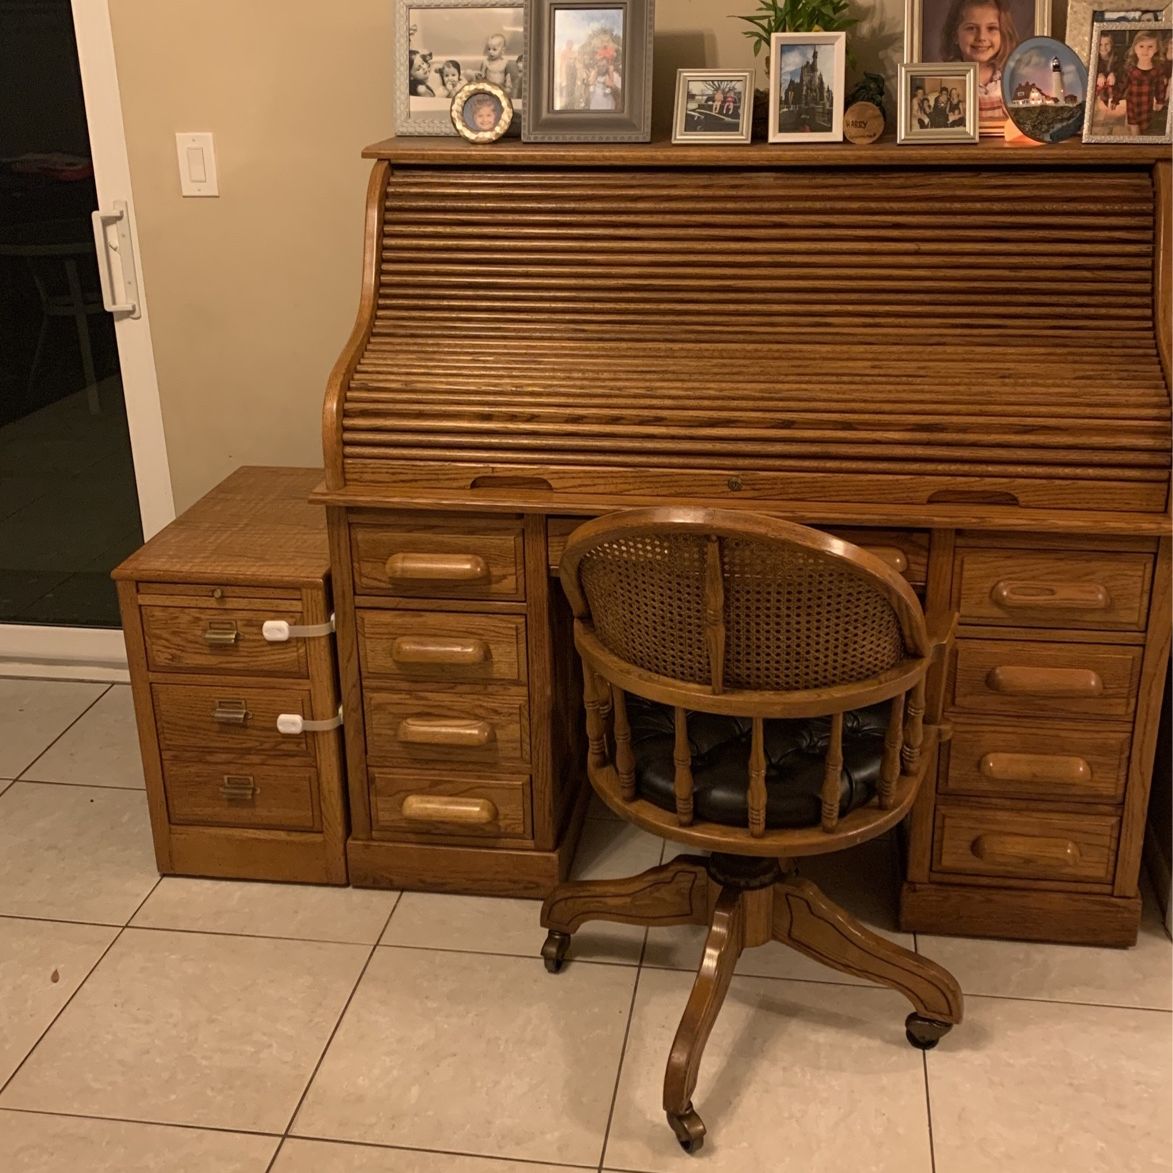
(920, 326)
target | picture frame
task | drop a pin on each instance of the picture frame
(1110, 108)
(713, 106)
(1082, 14)
(481, 112)
(443, 45)
(934, 117)
(806, 94)
(927, 37)
(590, 71)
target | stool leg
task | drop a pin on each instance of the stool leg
(674, 893)
(722, 948)
(808, 921)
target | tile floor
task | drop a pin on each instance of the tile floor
(189, 1026)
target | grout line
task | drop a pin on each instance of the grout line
(67, 728)
(1068, 1002)
(517, 956)
(68, 1001)
(135, 1120)
(79, 785)
(276, 1154)
(338, 1022)
(377, 1146)
(924, 1058)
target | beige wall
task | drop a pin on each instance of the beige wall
(252, 295)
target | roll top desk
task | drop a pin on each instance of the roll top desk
(956, 356)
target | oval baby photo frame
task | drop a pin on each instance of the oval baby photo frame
(481, 112)
(1044, 90)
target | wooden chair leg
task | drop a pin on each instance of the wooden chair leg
(722, 949)
(674, 893)
(811, 923)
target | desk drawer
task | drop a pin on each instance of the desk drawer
(1024, 844)
(1054, 588)
(1026, 678)
(224, 640)
(199, 720)
(276, 797)
(456, 726)
(442, 646)
(475, 558)
(421, 805)
(1037, 760)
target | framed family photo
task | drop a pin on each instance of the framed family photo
(1082, 14)
(985, 32)
(713, 106)
(937, 103)
(807, 72)
(1128, 85)
(590, 69)
(444, 45)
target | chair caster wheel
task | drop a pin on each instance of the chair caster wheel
(925, 1033)
(554, 950)
(689, 1129)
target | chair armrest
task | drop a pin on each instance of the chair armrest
(942, 630)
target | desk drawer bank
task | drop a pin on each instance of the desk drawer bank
(850, 337)
(227, 619)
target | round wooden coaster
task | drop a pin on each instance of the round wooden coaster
(863, 122)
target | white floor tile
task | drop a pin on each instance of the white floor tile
(35, 712)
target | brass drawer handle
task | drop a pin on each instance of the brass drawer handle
(894, 556)
(231, 712)
(436, 808)
(445, 731)
(239, 788)
(437, 567)
(221, 633)
(1024, 850)
(411, 649)
(1060, 682)
(1068, 596)
(1035, 767)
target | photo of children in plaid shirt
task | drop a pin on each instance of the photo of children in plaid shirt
(1131, 85)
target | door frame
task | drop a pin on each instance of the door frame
(82, 652)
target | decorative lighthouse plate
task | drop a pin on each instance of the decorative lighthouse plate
(1044, 88)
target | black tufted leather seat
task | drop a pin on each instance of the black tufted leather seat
(795, 754)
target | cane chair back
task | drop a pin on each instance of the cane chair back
(711, 611)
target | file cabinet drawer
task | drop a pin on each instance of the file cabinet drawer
(248, 796)
(419, 804)
(227, 641)
(442, 646)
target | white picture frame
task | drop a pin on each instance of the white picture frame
(713, 106)
(806, 93)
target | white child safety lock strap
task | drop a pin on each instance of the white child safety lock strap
(277, 631)
(296, 723)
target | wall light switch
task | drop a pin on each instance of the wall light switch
(197, 164)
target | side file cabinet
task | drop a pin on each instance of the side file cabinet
(229, 637)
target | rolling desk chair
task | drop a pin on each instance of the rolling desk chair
(756, 689)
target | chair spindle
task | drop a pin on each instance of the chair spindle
(714, 607)
(624, 758)
(914, 729)
(893, 741)
(597, 705)
(757, 779)
(682, 756)
(832, 772)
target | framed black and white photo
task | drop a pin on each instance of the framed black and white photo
(713, 106)
(806, 87)
(937, 103)
(590, 71)
(444, 45)
(1082, 14)
(1128, 87)
(985, 32)
(481, 112)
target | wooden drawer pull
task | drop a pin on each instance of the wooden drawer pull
(230, 713)
(445, 731)
(437, 567)
(239, 788)
(221, 633)
(1011, 680)
(1036, 767)
(1074, 596)
(894, 556)
(436, 808)
(412, 649)
(1024, 850)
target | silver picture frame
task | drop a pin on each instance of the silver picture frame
(453, 32)
(1082, 14)
(596, 87)
(964, 72)
(729, 92)
(1094, 129)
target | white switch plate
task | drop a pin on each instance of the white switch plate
(197, 164)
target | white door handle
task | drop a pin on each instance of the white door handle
(121, 244)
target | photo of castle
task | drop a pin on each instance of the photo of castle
(806, 100)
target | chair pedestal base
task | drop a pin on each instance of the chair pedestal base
(746, 901)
